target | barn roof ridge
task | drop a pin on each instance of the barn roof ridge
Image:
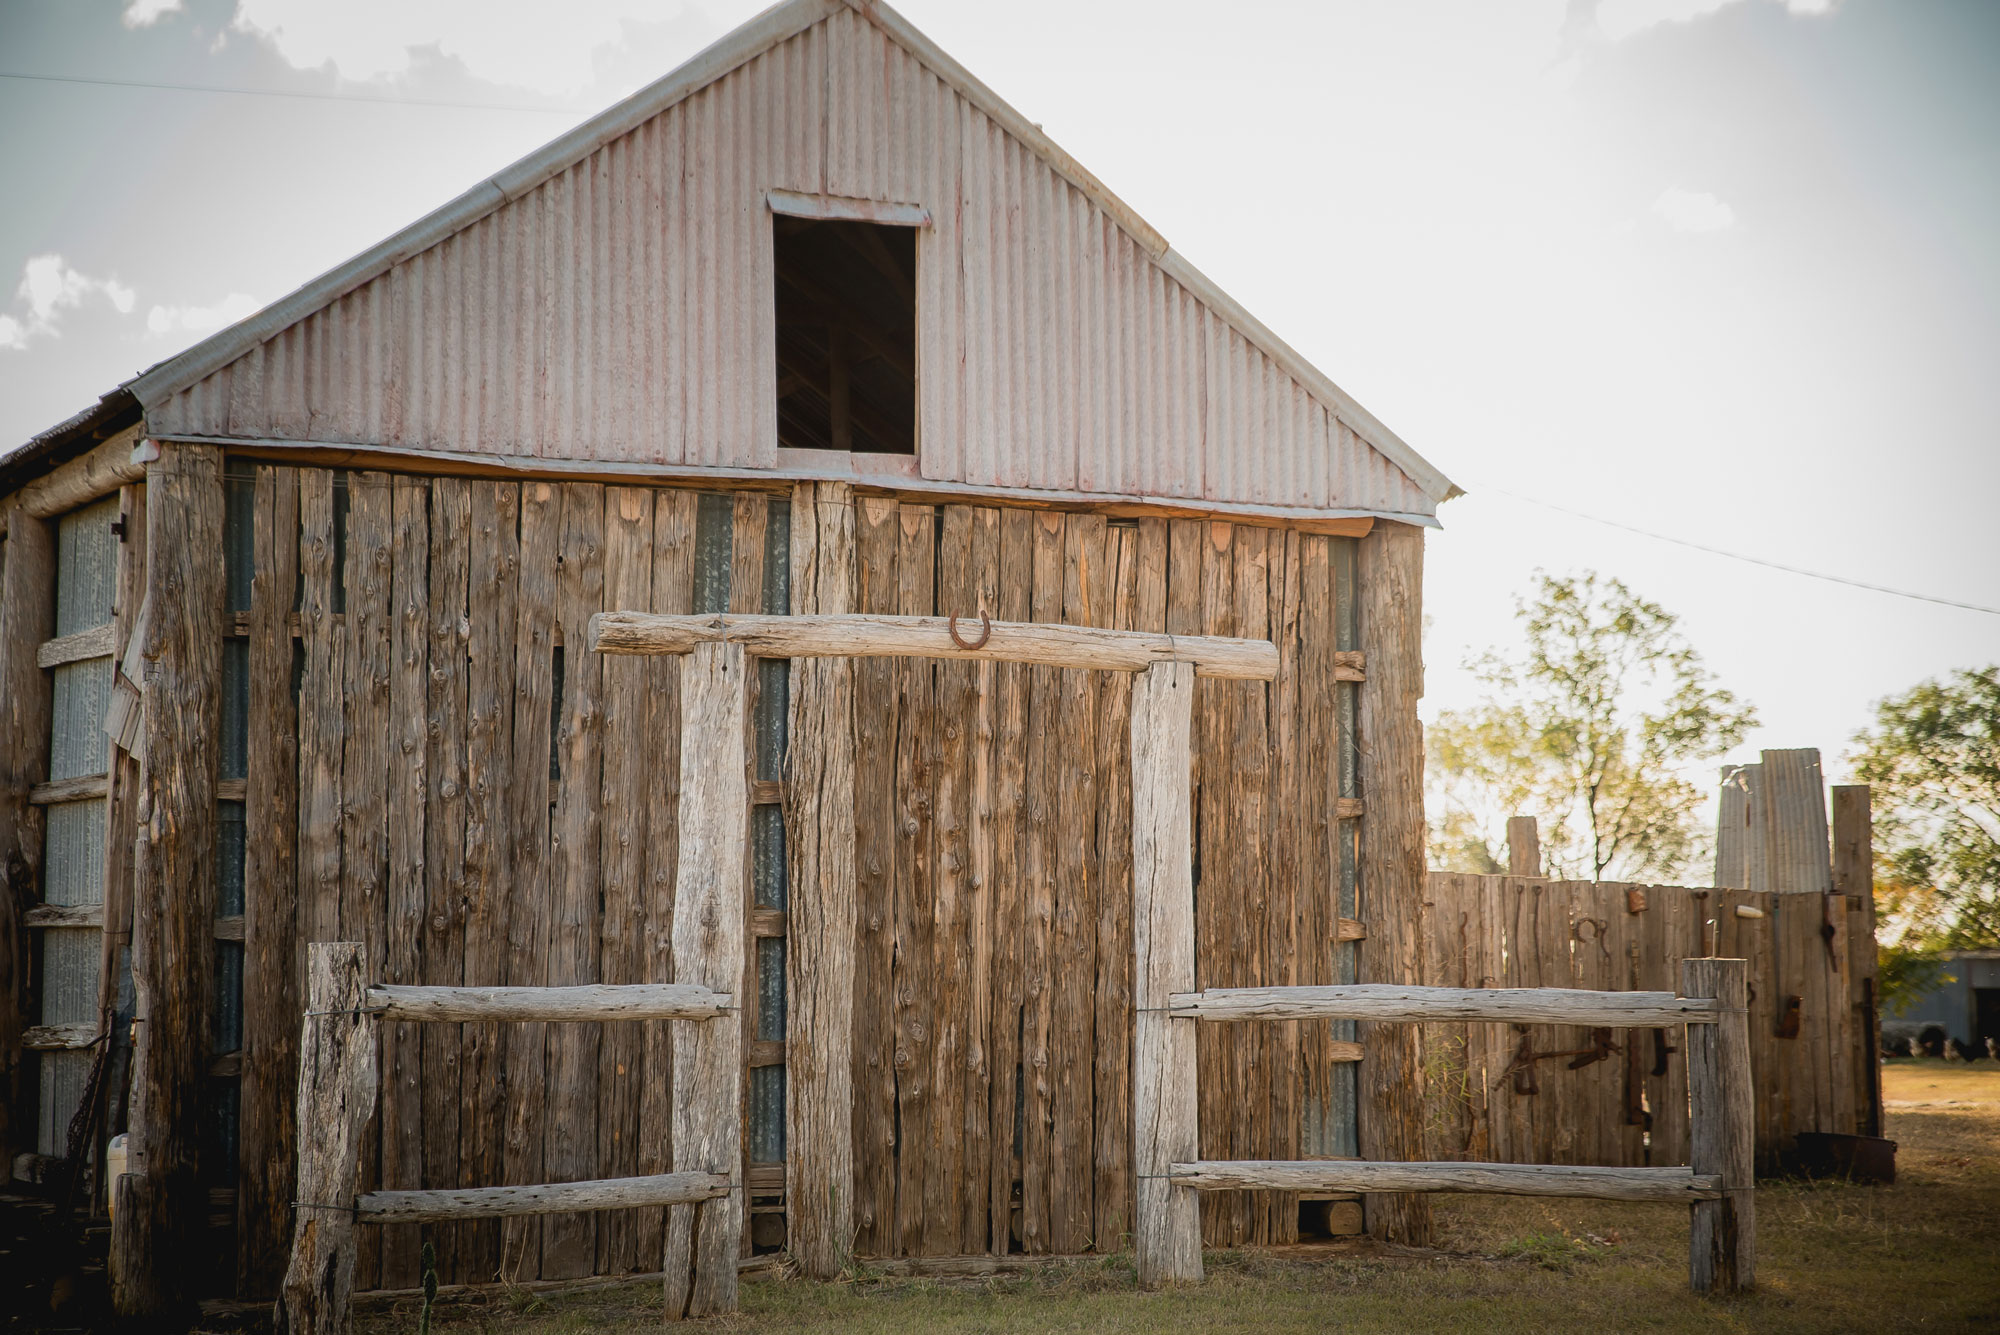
(768, 29)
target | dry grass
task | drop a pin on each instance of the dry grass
(1832, 1257)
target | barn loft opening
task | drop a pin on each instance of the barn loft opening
(847, 335)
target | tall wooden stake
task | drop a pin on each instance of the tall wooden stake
(819, 834)
(711, 903)
(27, 617)
(1164, 1107)
(1722, 1238)
(336, 1098)
(1524, 846)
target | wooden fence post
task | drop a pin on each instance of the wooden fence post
(1722, 1236)
(1164, 1105)
(1854, 874)
(710, 911)
(337, 1079)
(1524, 846)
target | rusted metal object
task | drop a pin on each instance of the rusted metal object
(985, 632)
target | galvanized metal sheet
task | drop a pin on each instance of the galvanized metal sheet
(622, 311)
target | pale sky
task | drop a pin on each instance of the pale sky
(1724, 270)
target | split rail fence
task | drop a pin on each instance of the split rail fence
(1718, 1183)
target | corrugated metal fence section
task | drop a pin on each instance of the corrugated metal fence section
(623, 312)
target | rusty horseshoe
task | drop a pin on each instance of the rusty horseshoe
(985, 631)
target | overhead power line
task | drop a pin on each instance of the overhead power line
(298, 93)
(1741, 556)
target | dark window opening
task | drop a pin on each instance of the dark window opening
(847, 336)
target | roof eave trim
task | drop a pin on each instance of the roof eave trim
(775, 25)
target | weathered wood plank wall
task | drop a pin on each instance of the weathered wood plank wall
(1490, 1100)
(480, 801)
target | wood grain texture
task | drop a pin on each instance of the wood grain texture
(1038, 873)
(271, 978)
(919, 635)
(1722, 1242)
(335, 1100)
(915, 883)
(1391, 1003)
(1167, 1230)
(173, 959)
(1005, 1093)
(820, 956)
(583, 1003)
(711, 902)
(951, 941)
(618, 1193)
(1854, 877)
(1390, 579)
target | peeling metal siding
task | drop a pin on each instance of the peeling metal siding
(622, 312)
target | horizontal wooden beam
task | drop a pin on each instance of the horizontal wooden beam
(59, 1037)
(617, 1193)
(593, 1001)
(68, 790)
(88, 477)
(1506, 1179)
(1045, 644)
(1493, 1005)
(85, 644)
(64, 915)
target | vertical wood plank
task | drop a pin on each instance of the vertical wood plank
(321, 714)
(1314, 762)
(160, 1248)
(1111, 1053)
(1280, 946)
(711, 900)
(493, 587)
(1854, 876)
(672, 591)
(27, 618)
(570, 1150)
(629, 741)
(1248, 783)
(448, 889)
(750, 514)
(336, 1099)
(1218, 962)
(1007, 1091)
(916, 756)
(982, 590)
(529, 820)
(820, 838)
(1392, 840)
(271, 998)
(1168, 1226)
(1722, 1240)
(1038, 854)
(951, 940)
(874, 1120)
(405, 908)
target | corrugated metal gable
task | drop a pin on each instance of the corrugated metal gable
(621, 311)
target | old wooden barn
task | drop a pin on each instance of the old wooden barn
(293, 648)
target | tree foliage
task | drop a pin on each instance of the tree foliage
(1933, 760)
(1588, 729)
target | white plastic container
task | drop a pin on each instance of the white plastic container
(114, 1165)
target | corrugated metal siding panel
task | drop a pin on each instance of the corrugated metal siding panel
(622, 311)
(74, 862)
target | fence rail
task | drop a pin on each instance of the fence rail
(1389, 1001)
(1620, 1184)
(616, 1193)
(595, 1001)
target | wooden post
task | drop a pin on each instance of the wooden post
(1722, 1238)
(819, 835)
(1390, 576)
(27, 617)
(1524, 847)
(711, 904)
(159, 1254)
(1164, 1103)
(1854, 874)
(336, 1098)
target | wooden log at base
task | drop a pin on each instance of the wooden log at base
(617, 1193)
(584, 1002)
(1616, 1184)
(820, 835)
(711, 911)
(336, 1098)
(1722, 1235)
(1046, 644)
(1164, 1109)
(1388, 1002)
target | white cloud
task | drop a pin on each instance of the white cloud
(50, 285)
(145, 13)
(1621, 18)
(200, 319)
(521, 43)
(1694, 211)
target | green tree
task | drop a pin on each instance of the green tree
(1933, 760)
(1589, 729)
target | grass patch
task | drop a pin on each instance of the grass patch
(1832, 1256)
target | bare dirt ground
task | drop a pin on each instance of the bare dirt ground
(1921, 1255)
